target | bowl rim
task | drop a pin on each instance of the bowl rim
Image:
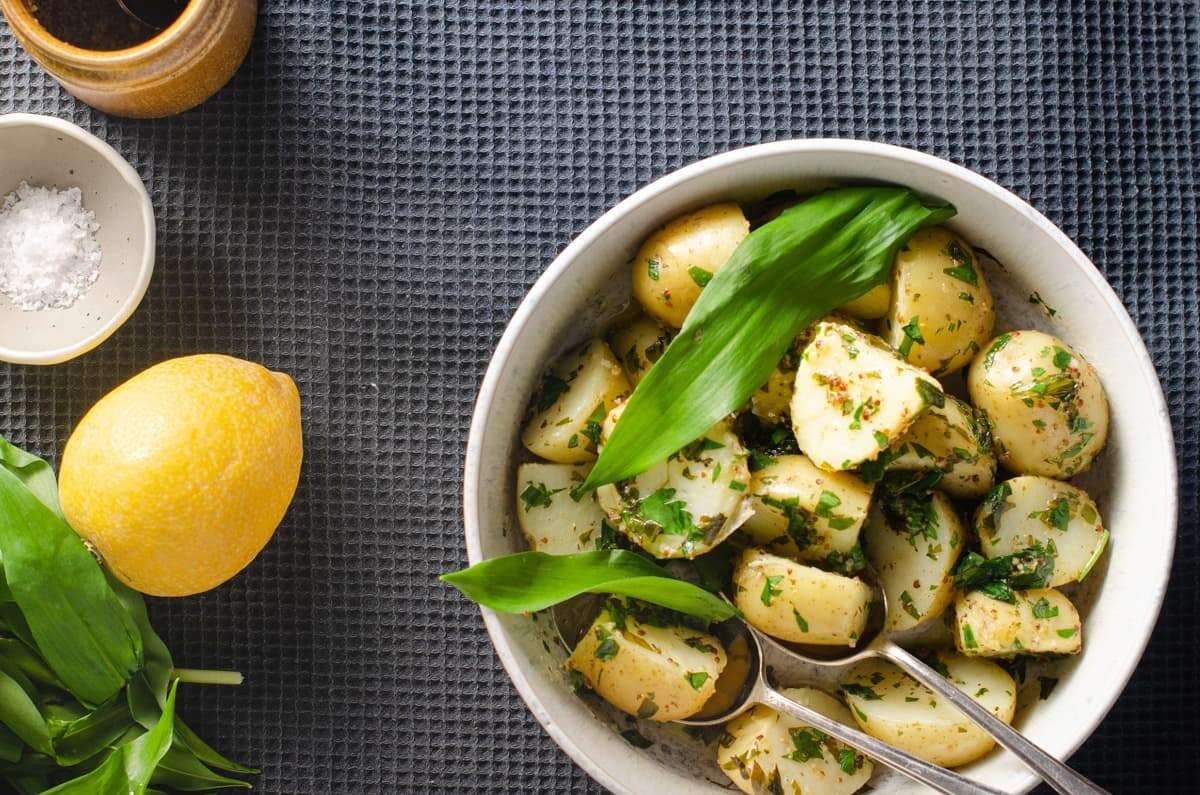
(146, 267)
(561, 264)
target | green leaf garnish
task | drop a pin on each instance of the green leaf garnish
(525, 582)
(786, 274)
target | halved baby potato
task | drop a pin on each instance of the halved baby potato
(639, 343)
(941, 311)
(798, 603)
(952, 439)
(661, 673)
(765, 751)
(892, 706)
(1029, 510)
(677, 261)
(575, 396)
(552, 518)
(854, 397)
(913, 541)
(772, 402)
(686, 505)
(804, 512)
(1041, 621)
(1047, 407)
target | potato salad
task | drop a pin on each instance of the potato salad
(903, 446)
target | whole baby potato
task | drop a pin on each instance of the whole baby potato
(1046, 404)
(941, 310)
(677, 261)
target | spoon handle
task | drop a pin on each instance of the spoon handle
(1062, 778)
(939, 778)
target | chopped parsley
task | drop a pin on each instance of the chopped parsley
(607, 648)
(861, 691)
(537, 495)
(1066, 633)
(552, 389)
(912, 333)
(880, 439)
(1057, 514)
(592, 429)
(634, 738)
(700, 276)
(1042, 609)
(1002, 576)
(1036, 299)
(968, 637)
(997, 345)
(800, 622)
(963, 269)
(806, 745)
(907, 604)
(696, 680)
(848, 761)
(652, 269)
(769, 590)
(930, 394)
(847, 563)
(647, 708)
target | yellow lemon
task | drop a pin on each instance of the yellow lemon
(180, 476)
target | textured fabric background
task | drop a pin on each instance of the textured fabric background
(367, 201)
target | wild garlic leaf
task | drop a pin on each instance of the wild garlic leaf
(79, 625)
(786, 274)
(528, 581)
(128, 768)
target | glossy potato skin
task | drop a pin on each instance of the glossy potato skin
(898, 710)
(804, 512)
(669, 267)
(1030, 509)
(1046, 405)
(572, 402)
(550, 518)
(914, 571)
(941, 312)
(799, 603)
(639, 344)
(662, 673)
(756, 744)
(854, 397)
(1041, 621)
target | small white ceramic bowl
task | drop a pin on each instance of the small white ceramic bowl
(47, 151)
(1134, 481)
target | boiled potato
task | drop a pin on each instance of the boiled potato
(772, 401)
(854, 397)
(1041, 621)
(762, 746)
(804, 512)
(952, 439)
(686, 505)
(639, 343)
(552, 519)
(677, 261)
(872, 304)
(941, 311)
(798, 603)
(913, 542)
(892, 706)
(662, 673)
(1031, 510)
(1047, 407)
(581, 388)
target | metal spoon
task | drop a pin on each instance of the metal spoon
(154, 14)
(736, 695)
(1055, 773)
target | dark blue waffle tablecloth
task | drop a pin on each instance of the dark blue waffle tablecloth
(368, 200)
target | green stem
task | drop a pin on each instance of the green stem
(198, 676)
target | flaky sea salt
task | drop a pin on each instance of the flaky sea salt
(49, 254)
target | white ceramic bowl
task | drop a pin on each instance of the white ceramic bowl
(1134, 481)
(47, 151)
